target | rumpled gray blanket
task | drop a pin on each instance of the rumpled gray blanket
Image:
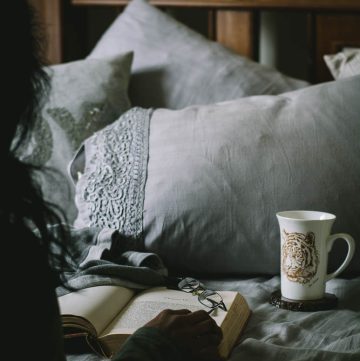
(275, 334)
(105, 257)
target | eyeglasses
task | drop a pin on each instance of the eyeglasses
(206, 297)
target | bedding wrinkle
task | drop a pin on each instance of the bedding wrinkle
(277, 334)
(303, 337)
(274, 132)
(256, 350)
(270, 137)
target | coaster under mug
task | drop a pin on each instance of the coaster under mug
(328, 302)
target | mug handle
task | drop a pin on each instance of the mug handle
(351, 249)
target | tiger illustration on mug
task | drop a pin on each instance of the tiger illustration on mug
(299, 256)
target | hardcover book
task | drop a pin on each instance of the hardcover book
(107, 315)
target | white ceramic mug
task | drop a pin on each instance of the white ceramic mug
(305, 244)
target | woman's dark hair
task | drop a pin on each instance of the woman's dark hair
(22, 203)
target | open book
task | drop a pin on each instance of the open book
(107, 315)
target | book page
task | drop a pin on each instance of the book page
(98, 304)
(146, 305)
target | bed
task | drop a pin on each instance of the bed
(212, 142)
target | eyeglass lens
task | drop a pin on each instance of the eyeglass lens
(189, 284)
(206, 297)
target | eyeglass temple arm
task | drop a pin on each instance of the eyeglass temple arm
(220, 304)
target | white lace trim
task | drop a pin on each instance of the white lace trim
(110, 193)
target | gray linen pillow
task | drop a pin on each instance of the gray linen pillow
(344, 63)
(85, 96)
(217, 174)
(175, 67)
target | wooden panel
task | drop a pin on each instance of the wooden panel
(235, 30)
(50, 15)
(211, 34)
(252, 4)
(334, 32)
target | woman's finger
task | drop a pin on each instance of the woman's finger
(198, 316)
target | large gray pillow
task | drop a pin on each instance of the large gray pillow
(175, 67)
(85, 96)
(217, 175)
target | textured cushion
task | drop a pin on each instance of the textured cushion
(175, 67)
(217, 175)
(85, 96)
(345, 63)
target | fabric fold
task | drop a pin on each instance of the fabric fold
(106, 257)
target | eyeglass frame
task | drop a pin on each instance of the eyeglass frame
(198, 290)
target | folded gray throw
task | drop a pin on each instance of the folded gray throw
(105, 257)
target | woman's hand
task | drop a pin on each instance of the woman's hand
(196, 331)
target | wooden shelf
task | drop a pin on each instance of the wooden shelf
(332, 24)
(245, 4)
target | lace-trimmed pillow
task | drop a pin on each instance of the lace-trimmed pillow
(217, 174)
(85, 96)
(175, 66)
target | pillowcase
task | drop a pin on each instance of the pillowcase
(85, 96)
(175, 67)
(217, 174)
(109, 171)
(345, 63)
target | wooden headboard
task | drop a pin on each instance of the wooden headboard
(330, 25)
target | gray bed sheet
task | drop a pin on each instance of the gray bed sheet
(274, 334)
